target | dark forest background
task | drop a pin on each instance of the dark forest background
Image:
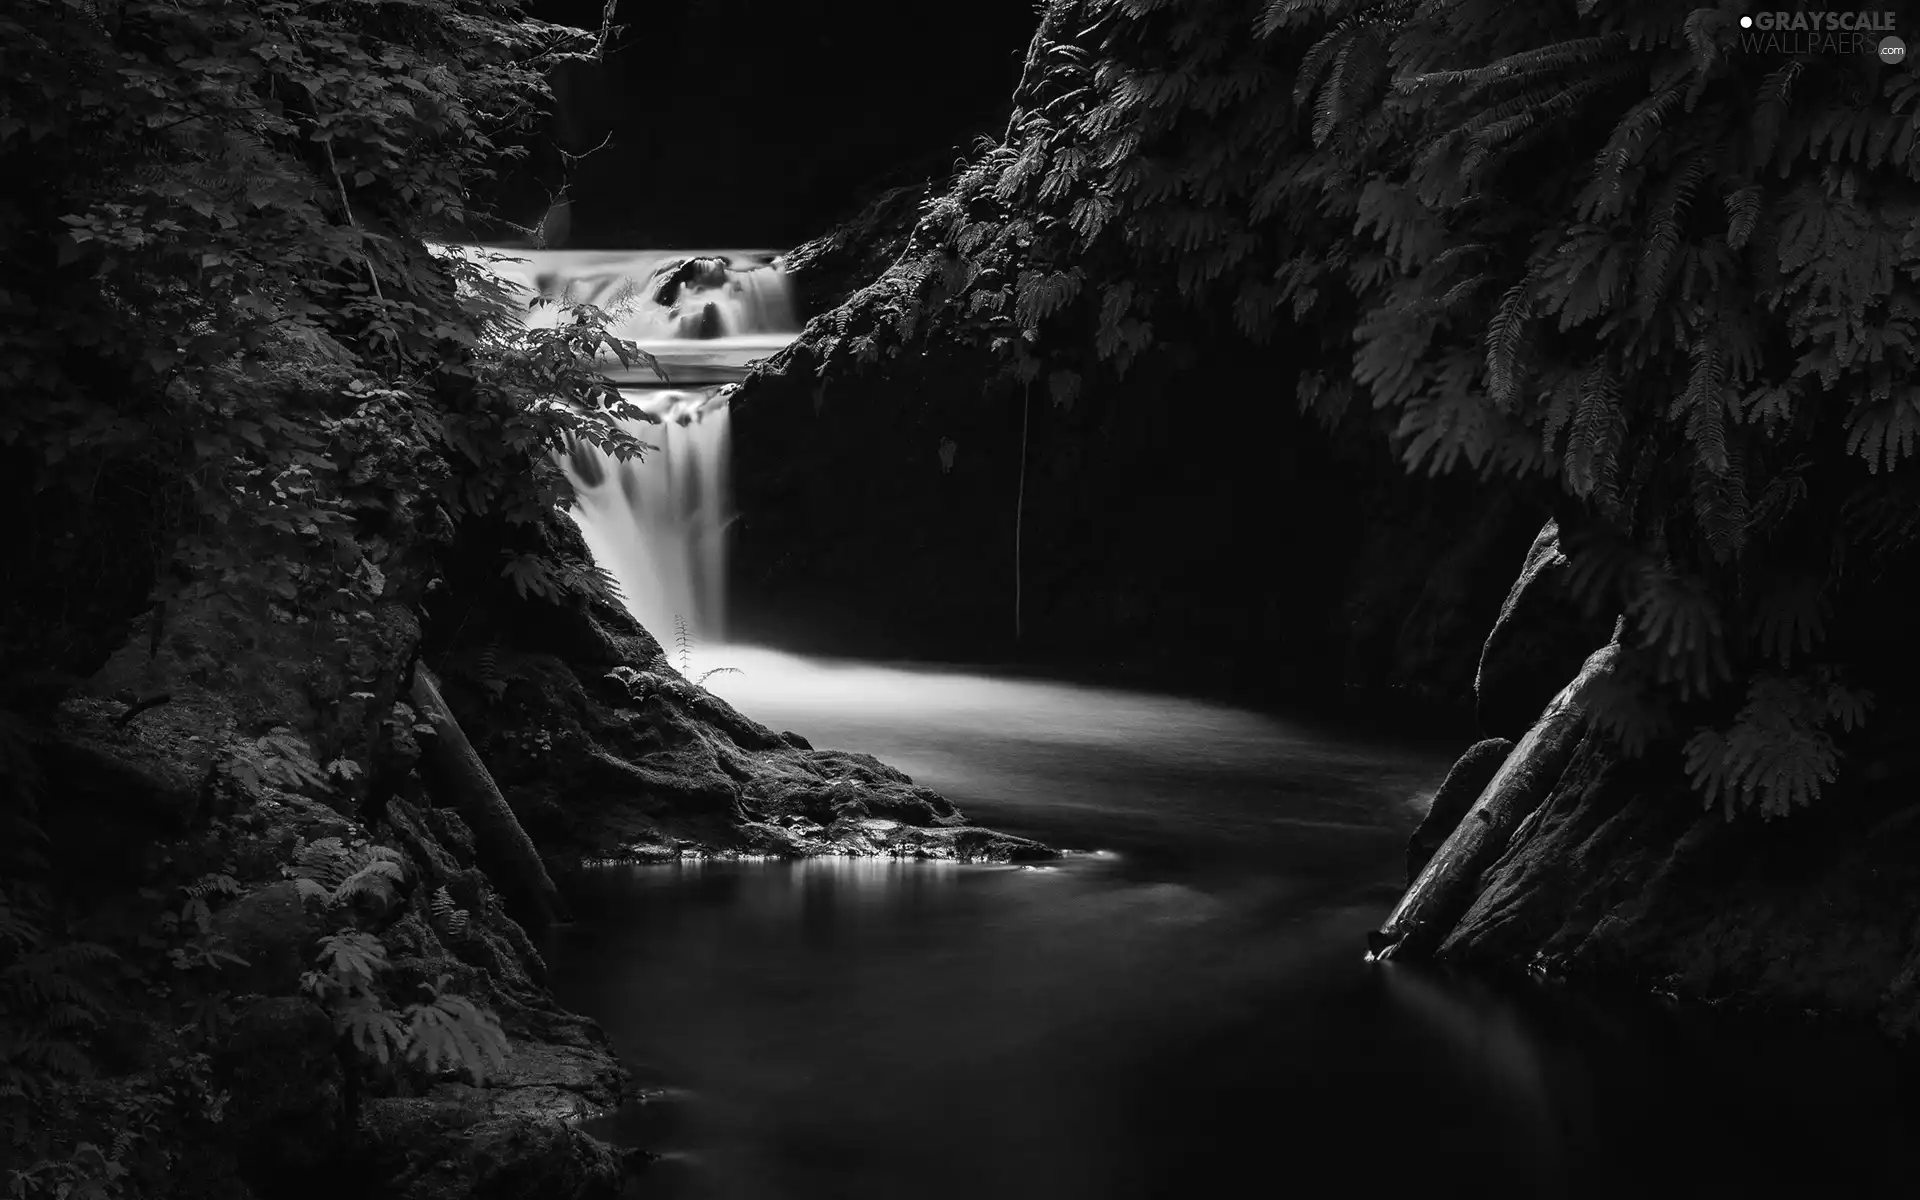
(737, 123)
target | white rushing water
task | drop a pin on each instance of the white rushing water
(659, 525)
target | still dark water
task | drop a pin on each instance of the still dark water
(1181, 1011)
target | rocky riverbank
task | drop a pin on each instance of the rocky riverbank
(604, 750)
(1617, 874)
(249, 812)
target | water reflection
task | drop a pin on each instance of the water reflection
(1164, 777)
(1178, 1019)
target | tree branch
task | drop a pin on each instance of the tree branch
(334, 166)
(606, 31)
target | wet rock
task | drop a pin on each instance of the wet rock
(463, 1143)
(693, 274)
(153, 774)
(641, 764)
(451, 832)
(1542, 636)
(1622, 874)
(603, 750)
(273, 930)
(703, 322)
(1467, 778)
(280, 1066)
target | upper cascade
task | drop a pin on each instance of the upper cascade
(705, 315)
(659, 524)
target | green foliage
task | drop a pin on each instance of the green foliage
(1598, 246)
(440, 1032)
(1777, 753)
(451, 1031)
(448, 918)
(51, 990)
(279, 759)
(216, 281)
(683, 643)
(337, 874)
(205, 948)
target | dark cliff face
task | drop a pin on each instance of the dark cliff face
(749, 122)
(1176, 527)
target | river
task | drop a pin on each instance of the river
(1179, 1009)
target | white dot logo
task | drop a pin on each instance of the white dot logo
(1892, 50)
(1746, 22)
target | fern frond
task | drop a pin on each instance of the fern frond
(1775, 754)
(372, 1029)
(1506, 336)
(1678, 619)
(1883, 434)
(377, 878)
(1790, 619)
(1634, 716)
(353, 957)
(1580, 53)
(452, 1031)
(1743, 213)
(1664, 231)
(1598, 432)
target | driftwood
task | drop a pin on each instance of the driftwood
(1444, 890)
(462, 781)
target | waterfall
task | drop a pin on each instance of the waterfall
(659, 525)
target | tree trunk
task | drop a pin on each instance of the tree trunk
(1437, 900)
(461, 780)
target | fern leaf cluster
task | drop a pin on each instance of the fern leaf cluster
(279, 759)
(443, 1031)
(1607, 247)
(447, 917)
(335, 873)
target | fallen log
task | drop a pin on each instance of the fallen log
(459, 779)
(1441, 895)
(1470, 775)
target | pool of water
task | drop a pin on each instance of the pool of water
(1180, 1008)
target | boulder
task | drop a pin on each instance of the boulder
(1538, 642)
(700, 274)
(279, 1065)
(1468, 777)
(272, 929)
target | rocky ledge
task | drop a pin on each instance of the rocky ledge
(604, 751)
